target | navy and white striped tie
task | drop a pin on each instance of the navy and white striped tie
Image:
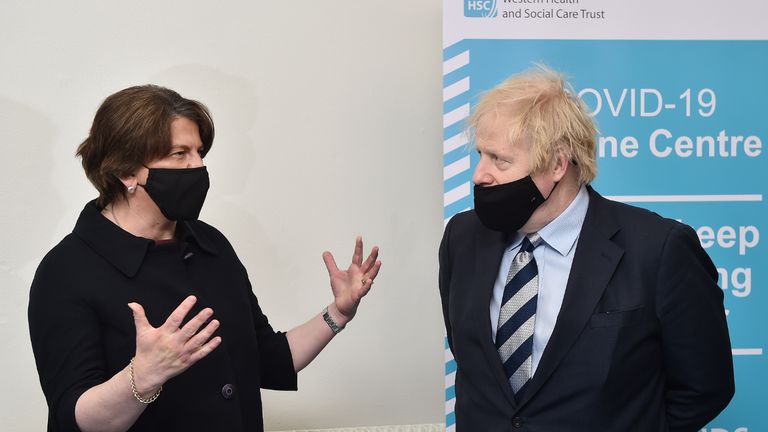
(514, 334)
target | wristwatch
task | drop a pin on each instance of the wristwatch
(331, 323)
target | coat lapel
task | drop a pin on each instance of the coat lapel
(593, 266)
(490, 249)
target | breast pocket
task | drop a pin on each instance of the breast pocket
(617, 318)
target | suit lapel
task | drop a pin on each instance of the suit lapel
(595, 260)
(489, 251)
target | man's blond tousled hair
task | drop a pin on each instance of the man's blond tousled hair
(542, 108)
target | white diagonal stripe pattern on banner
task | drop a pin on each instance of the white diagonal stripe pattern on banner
(456, 98)
(450, 379)
(747, 351)
(454, 142)
(456, 115)
(456, 194)
(455, 62)
(450, 405)
(456, 168)
(687, 198)
(455, 89)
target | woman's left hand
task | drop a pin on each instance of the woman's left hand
(351, 285)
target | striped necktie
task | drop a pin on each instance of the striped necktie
(514, 334)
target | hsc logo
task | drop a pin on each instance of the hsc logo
(480, 8)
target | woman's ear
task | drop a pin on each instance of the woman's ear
(130, 182)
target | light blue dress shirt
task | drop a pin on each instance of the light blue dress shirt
(554, 257)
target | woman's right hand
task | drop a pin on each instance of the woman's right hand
(166, 351)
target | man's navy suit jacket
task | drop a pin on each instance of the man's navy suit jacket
(640, 343)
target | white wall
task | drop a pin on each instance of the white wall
(328, 117)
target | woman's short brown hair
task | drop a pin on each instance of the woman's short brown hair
(131, 128)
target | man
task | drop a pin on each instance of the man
(566, 311)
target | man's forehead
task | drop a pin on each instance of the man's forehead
(489, 132)
(496, 121)
(495, 132)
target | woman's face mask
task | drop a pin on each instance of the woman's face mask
(178, 192)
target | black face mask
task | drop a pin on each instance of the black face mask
(178, 192)
(507, 207)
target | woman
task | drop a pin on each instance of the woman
(198, 348)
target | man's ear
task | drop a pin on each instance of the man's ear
(560, 165)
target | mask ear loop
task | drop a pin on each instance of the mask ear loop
(132, 189)
(145, 183)
(556, 183)
(552, 191)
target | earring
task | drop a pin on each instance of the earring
(131, 189)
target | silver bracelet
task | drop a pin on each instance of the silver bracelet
(331, 323)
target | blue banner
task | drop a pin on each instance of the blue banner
(682, 128)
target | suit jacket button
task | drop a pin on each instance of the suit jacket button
(517, 422)
(228, 391)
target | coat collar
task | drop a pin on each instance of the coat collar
(122, 249)
(594, 263)
(489, 250)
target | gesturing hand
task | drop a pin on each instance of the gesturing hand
(166, 351)
(352, 284)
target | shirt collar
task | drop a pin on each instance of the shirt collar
(122, 249)
(561, 233)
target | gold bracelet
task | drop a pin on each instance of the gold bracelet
(148, 400)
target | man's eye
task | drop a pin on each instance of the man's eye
(501, 163)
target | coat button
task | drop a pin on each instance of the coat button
(517, 422)
(228, 391)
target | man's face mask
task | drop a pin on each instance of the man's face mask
(178, 192)
(507, 207)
